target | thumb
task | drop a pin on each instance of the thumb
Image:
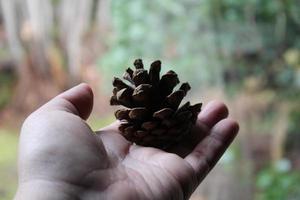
(77, 100)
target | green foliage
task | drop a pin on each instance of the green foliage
(8, 164)
(6, 84)
(208, 42)
(277, 185)
(166, 30)
(255, 36)
(292, 144)
(8, 145)
(294, 120)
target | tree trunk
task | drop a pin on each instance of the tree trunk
(47, 41)
(74, 17)
(9, 10)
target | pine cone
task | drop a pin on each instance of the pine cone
(152, 117)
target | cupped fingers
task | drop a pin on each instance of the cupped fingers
(206, 154)
(212, 113)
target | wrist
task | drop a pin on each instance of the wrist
(46, 190)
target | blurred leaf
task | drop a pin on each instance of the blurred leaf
(275, 185)
(292, 57)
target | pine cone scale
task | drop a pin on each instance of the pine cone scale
(138, 114)
(154, 73)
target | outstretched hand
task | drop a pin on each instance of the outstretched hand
(60, 157)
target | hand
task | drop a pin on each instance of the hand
(60, 157)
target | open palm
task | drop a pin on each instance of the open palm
(60, 157)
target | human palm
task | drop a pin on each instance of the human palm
(62, 158)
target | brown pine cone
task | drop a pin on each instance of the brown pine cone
(152, 116)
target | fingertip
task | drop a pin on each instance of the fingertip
(226, 130)
(230, 124)
(213, 112)
(217, 105)
(84, 100)
(81, 97)
(86, 88)
(235, 127)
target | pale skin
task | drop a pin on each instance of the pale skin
(61, 158)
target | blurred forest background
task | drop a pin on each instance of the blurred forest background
(243, 52)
